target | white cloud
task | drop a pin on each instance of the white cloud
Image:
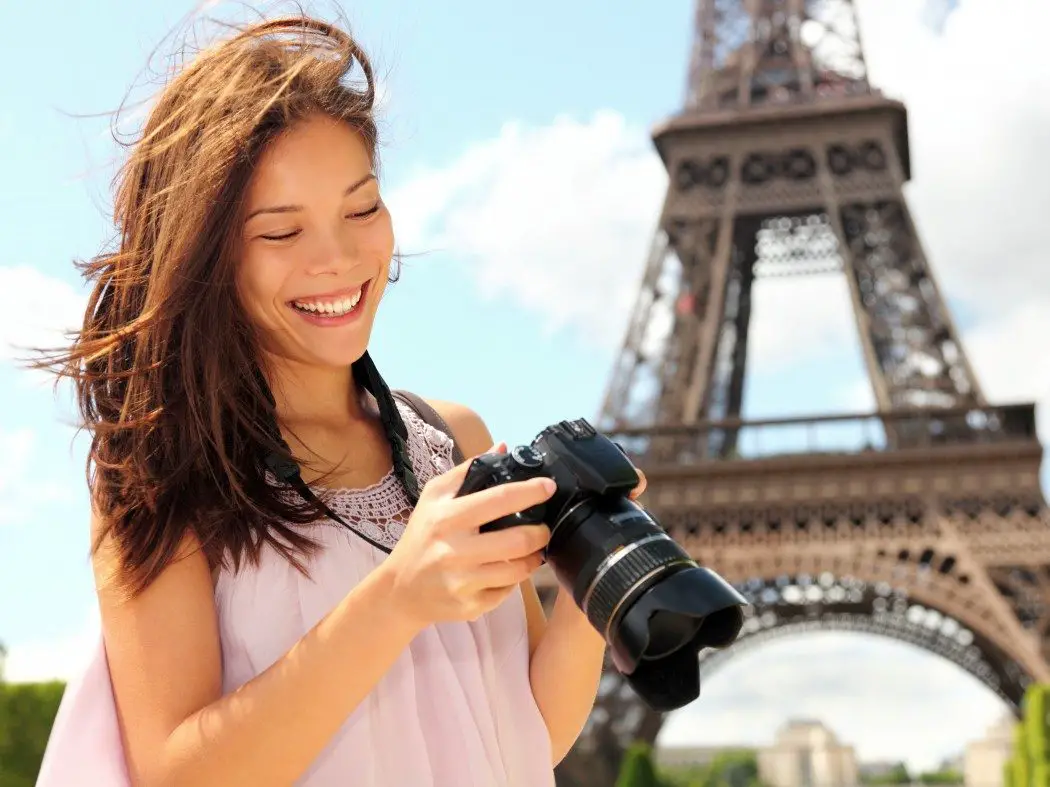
(16, 449)
(976, 136)
(35, 310)
(58, 658)
(23, 488)
(560, 217)
(798, 319)
(889, 700)
(1010, 354)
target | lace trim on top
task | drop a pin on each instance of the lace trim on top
(380, 511)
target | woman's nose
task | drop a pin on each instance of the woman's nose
(332, 255)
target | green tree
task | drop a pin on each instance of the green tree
(27, 711)
(1021, 765)
(1030, 764)
(733, 768)
(941, 777)
(638, 769)
(1036, 722)
(1009, 779)
(898, 774)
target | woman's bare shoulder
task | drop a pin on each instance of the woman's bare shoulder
(467, 426)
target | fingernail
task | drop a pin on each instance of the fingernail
(549, 486)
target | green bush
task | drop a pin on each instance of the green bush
(638, 769)
(896, 775)
(1019, 761)
(941, 777)
(27, 711)
(733, 768)
(1035, 722)
(1030, 764)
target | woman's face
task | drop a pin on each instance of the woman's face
(317, 245)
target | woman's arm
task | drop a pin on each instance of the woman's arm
(165, 663)
(566, 652)
(164, 653)
(565, 670)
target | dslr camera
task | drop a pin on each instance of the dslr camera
(655, 607)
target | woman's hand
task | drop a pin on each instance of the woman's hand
(444, 569)
(637, 491)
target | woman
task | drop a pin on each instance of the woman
(247, 488)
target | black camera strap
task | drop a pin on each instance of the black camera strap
(288, 471)
(304, 491)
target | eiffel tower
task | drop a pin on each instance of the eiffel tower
(924, 520)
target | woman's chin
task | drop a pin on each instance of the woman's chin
(320, 355)
(315, 358)
(335, 360)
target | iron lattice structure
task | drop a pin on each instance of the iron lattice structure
(924, 520)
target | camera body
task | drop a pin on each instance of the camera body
(655, 607)
(582, 463)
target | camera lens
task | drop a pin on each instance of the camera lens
(653, 604)
(668, 632)
(626, 574)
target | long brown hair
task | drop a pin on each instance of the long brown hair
(165, 366)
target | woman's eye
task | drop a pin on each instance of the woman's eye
(285, 236)
(365, 213)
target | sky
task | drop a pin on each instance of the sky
(524, 190)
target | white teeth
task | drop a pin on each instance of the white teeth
(335, 308)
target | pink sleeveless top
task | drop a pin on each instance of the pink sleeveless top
(455, 710)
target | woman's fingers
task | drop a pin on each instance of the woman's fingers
(512, 543)
(507, 573)
(479, 508)
(637, 491)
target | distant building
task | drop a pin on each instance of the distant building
(807, 754)
(985, 759)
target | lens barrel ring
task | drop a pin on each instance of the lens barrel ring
(623, 571)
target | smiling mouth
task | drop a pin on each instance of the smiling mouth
(331, 307)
